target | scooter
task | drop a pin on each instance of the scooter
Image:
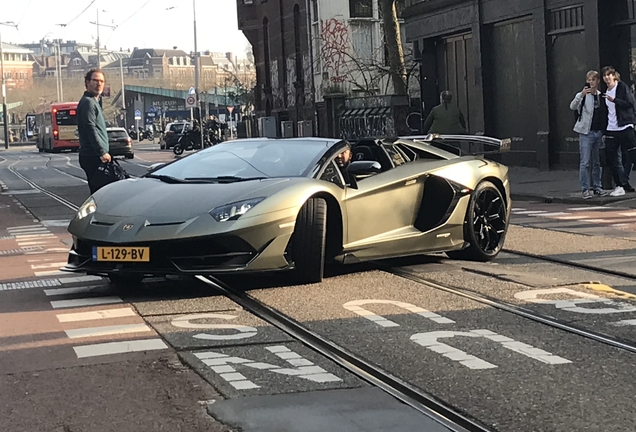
(186, 143)
(145, 134)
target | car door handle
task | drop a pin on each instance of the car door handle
(410, 182)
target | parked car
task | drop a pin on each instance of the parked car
(120, 142)
(254, 205)
(173, 132)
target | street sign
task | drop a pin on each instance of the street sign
(137, 115)
(191, 101)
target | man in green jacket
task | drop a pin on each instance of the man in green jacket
(91, 126)
(445, 118)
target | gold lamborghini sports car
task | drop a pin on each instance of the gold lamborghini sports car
(261, 204)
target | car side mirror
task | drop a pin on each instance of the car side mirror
(361, 168)
(155, 167)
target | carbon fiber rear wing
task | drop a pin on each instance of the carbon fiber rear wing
(463, 145)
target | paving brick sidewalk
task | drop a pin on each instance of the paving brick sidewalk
(530, 184)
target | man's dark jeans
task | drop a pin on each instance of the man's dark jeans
(89, 164)
(618, 142)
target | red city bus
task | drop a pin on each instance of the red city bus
(56, 125)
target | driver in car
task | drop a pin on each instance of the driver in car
(343, 160)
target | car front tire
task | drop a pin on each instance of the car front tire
(308, 241)
(485, 226)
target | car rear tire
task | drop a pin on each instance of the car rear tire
(485, 226)
(125, 280)
(308, 241)
(130, 156)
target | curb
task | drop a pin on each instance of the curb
(20, 144)
(601, 201)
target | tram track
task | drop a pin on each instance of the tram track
(513, 309)
(46, 192)
(581, 266)
(417, 399)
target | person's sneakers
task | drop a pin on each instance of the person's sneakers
(619, 191)
(600, 192)
(587, 194)
(628, 188)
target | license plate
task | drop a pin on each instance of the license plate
(121, 254)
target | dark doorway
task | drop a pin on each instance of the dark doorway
(511, 89)
(456, 73)
(567, 69)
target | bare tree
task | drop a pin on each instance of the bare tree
(365, 74)
(394, 47)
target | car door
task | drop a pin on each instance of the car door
(384, 206)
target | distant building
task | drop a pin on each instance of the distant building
(45, 66)
(313, 58)
(47, 47)
(18, 66)
(81, 62)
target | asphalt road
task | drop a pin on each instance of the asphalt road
(77, 352)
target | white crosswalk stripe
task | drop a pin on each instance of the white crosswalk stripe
(582, 218)
(108, 317)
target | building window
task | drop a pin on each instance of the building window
(566, 19)
(300, 76)
(315, 36)
(362, 39)
(631, 9)
(268, 72)
(361, 8)
(77, 62)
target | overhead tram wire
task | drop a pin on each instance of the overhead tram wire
(81, 13)
(124, 21)
(24, 14)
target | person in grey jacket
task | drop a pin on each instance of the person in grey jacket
(91, 126)
(591, 125)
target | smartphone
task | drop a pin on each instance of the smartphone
(587, 85)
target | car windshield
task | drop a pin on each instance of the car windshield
(118, 134)
(177, 127)
(248, 159)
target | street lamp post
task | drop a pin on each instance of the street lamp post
(4, 87)
(196, 69)
(98, 25)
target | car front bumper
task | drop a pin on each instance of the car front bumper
(261, 248)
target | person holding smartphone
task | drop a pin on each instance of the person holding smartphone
(590, 125)
(620, 138)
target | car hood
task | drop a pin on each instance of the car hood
(161, 202)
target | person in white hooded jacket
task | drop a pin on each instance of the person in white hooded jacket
(590, 125)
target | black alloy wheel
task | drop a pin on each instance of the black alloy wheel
(486, 224)
(309, 241)
(177, 149)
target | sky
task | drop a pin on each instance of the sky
(161, 24)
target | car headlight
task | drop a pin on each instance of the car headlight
(235, 210)
(88, 208)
